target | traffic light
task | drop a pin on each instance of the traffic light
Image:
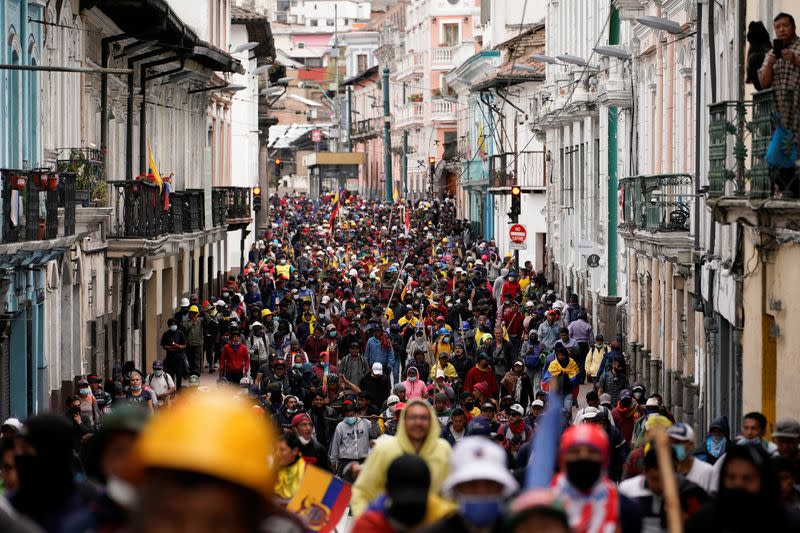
(256, 198)
(516, 203)
(278, 165)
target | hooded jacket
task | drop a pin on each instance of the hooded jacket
(416, 388)
(435, 451)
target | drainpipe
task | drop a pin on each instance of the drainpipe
(349, 118)
(387, 136)
(613, 183)
(105, 42)
(143, 108)
(129, 118)
(405, 150)
(698, 110)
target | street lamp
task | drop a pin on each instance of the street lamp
(541, 58)
(613, 51)
(658, 23)
(245, 47)
(573, 60)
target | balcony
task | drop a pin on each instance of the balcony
(31, 203)
(86, 165)
(144, 211)
(366, 129)
(443, 111)
(530, 165)
(656, 215)
(752, 195)
(408, 114)
(411, 66)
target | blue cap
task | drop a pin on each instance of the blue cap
(479, 426)
(443, 331)
(465, 325)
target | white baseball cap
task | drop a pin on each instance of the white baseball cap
(377, 369)
(537, 403)
(486, 460)
(14, 423)
(517, 408)
(326, 299)
(393, 398)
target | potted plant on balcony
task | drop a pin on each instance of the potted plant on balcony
(415, 98)
(90, 187)
(436, 93)
(18, 182)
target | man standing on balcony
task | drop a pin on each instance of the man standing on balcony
(781, 71)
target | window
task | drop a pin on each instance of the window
(361, 63)
(313, 62)
(301, 45)
(329, 22)
(314, 22)
(450, 33)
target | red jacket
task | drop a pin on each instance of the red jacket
(511, 288)
(476, 375)
(234, 359)
(513, 322)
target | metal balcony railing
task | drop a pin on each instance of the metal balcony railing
(728, 151)
(656, 203)
(86, 164)
(30, 206)
(236, 204)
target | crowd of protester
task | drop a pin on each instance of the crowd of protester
(392, 347)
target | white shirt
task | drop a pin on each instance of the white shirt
(634, 489)
(160, 385)
(701, 474)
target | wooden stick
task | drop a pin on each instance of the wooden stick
(672, 504)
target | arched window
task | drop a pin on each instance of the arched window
(14, 103)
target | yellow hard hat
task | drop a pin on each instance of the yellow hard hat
(193, 309)
(209, 433)
(265, 312)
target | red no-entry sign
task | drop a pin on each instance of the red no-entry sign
(518, 235)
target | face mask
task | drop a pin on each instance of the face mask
(715, 444)
(412, 379)
(638, 395)
(480, 511)
(583, 474)
(350, 420)
(75, 410)
(173, 327)
(84, 392)
(298, 365)
(235, 344)
(469, 406)
(680, 451)
(303, 441)
(446, 340)
(158, 373)
(136, 388)
(332, 334)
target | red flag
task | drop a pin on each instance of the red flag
(408, 221)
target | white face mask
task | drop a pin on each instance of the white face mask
(304, 441)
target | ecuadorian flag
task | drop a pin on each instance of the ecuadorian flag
(321, 500)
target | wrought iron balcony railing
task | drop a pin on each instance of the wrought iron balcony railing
(236, 205)
(656, 203)
(86, 164)
(30, 205)
(728, 151)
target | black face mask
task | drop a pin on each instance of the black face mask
(407, 513)
(583, 474)
(469, 406)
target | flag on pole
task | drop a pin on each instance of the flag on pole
(335, 211)
(408, 220)
(153, 168)
(325, 371)
(395, 195)
(321, 500)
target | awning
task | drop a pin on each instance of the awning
(155, 20)
(25, 259)
(215, 59)
(258, 30)
(146, 19)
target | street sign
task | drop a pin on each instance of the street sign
(518, 236)
(593, 261)
(316, 136)
(585, 247)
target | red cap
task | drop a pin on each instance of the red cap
(585, 434)
(440, 317)
(300, 417)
